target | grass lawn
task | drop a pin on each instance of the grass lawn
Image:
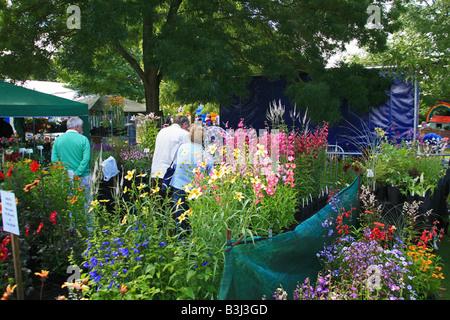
(444, 252)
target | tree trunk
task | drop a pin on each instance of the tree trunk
(151, 86)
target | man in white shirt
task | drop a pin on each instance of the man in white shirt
(167, 142)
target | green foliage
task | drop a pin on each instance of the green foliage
(51, 214)
(419, 50)
(136, 246)
(208, 49)
(404, 167)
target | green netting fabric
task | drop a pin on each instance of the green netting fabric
(256, 268)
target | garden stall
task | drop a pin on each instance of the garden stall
(20, 102)
(100, 105)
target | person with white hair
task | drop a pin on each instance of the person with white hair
(73, 149)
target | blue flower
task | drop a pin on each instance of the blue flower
(125, 251)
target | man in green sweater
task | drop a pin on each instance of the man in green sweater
(73, 149)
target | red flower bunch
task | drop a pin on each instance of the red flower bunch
(428, 235)
(34, 166)
(53, 217)
(3, 248)
(378, 234)
(9, 172)
(341, 227)
(311, 144)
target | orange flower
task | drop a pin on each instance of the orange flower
(30, 186)
(123, 289)
(379, 224)
(8, 292)
(75, 285)
(43, 274)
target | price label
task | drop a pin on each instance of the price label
(9, 212)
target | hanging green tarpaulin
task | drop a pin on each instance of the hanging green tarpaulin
(255, 269)
(16, 101)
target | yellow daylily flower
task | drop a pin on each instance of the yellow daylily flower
(130, 174)
(238, 195)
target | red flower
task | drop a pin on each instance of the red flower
(6, 240)
(2, 176)
(3, 253)
(9, 172)
(41, 225)
(34, 166)
(53, 217)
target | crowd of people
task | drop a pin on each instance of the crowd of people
(178, 151)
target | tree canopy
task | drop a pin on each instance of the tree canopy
(420, 50)
(208, 48)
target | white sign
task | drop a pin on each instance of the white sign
(9, 212)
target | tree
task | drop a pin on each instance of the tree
(420, 50)
(208, 48)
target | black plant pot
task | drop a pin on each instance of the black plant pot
(381, 193)
(394, 195)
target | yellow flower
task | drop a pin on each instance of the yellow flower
(104, 200)
(255, 180)
(141, 175)
(144, 195)
(261, 150)
(194, 193)
(188, 212)
(212, 148)
(179, 203)
(182, 217)
(130, 174)
(141, 186)
(124, 220)
(187, 187)
(94, 203)
(238, 195)
(155, 190)
(125, 190)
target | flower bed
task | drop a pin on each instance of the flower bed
(52, 218)
(259, 186)
(374, 261)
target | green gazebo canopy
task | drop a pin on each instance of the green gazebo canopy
(19, 102)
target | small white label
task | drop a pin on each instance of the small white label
(9, 212)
